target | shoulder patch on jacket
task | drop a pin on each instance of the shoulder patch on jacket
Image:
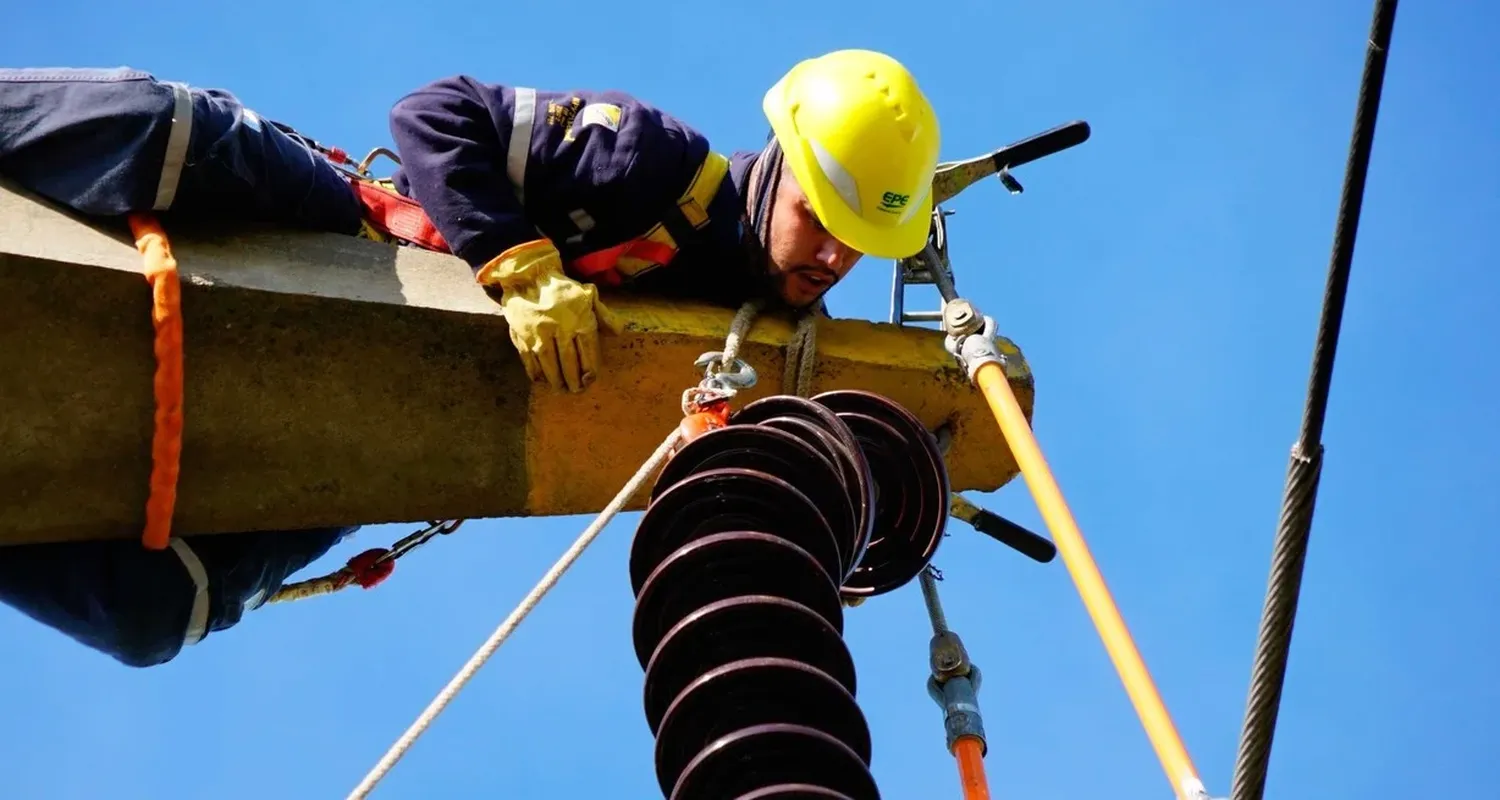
(605, 115)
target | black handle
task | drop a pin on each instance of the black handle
(1031, 545)
(1046, 143)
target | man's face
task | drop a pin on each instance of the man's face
(806, 260)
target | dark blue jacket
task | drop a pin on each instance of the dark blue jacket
(594, 170)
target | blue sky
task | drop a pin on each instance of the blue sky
(1164, 280)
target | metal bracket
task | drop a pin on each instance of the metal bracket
(932, 266)
(955, 176)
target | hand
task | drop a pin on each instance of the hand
(554, 320)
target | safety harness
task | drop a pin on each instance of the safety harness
(390, 216)
(658, 245)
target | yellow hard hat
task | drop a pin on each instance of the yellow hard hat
(862, 140)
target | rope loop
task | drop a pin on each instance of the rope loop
(160, 268)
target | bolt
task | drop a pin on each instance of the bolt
(960, 318)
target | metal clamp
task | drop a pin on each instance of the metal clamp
(975, 349)
(958, 696)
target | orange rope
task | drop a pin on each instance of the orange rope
(166, 317)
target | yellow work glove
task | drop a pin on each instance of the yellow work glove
(554, 320)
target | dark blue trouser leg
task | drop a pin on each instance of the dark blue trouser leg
(100, 142)
(143, 606)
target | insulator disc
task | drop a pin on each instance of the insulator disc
(848, 452)
(751, 692)
(794, 791)
(853, 475)
(766, 755)
(725, 500)
(727, 565)
(912, 490)
(739, 628)
(779, 453)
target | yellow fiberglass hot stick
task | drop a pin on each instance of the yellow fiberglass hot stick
(991, 379)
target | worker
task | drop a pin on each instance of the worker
(547, 196)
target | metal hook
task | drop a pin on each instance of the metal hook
(739, 376)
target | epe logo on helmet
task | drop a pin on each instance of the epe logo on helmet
(893, 202)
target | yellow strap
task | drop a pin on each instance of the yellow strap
(694, 202)
(700, 192)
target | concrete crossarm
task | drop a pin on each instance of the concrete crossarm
(333, 380)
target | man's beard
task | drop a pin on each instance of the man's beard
(781, 283)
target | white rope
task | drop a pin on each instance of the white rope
(514, 620)
(738, 329)
(313, 587)
(801, 356)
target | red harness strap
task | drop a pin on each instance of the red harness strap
(602, 266)
(401, 217)
(397, 215)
